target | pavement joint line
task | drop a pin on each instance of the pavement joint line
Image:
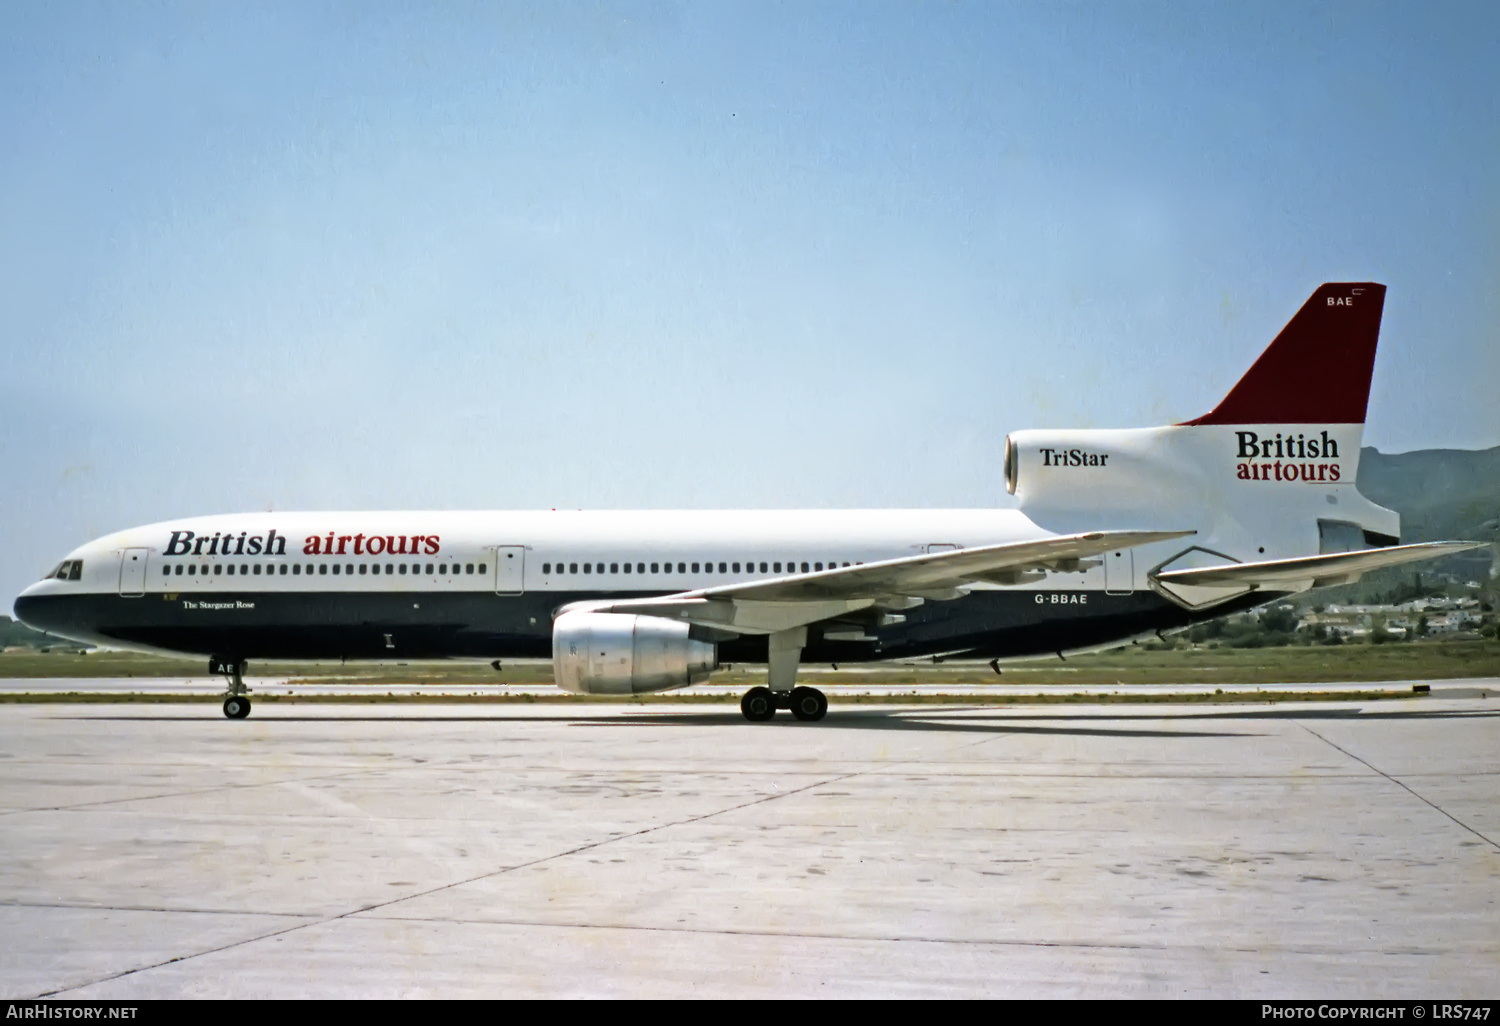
(868, 939)
(484, 876)
(1403, 786)
(84, 906)
(854, 938)
(178, 794)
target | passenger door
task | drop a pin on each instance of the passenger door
(510, 569)
(133, 573)
(1119, 572)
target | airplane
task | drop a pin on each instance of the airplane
(1119, 535)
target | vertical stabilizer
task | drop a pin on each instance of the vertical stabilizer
(1317, 371)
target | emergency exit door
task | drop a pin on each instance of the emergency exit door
(510, 569)
(133, 573)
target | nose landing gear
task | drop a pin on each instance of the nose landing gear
(237, 696)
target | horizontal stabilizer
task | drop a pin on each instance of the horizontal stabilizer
(1331, 568)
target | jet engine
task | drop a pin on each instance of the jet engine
(619, 654)
(1139, 468)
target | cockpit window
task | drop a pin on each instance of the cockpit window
(68, 570)
(54, 572)
(76, 570)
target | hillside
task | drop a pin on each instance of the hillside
(15, 634)
(1440, 493)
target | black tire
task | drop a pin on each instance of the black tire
(809, 704)
(236, 707)
(758, 705)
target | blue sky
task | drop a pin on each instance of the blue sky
(714, 254)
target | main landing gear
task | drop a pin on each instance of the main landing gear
(784, 651)
(237, 696)
(807, 704)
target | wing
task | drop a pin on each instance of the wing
(781, 603)
(1332, 568)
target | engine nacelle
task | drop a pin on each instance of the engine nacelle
(619, 654)
(1131, 469)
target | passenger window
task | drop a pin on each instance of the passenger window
(776, 567)
(217, 568)
(401, 568)
(695, 568)
(722, 568)
(682, 568)
(257, 568)
(468, 568)
(817, 566)
(283, 569)
(627, 567)
(166, 571)
(614, 568)
(588, 568)
(804, 568)
(363, 568)
(640, 568)
(296, 568)
(429, 568)
(763, 568)
(179, 569)
(572, 568)
(374, 568)
(244, 569)
(481, 568)
(546, 568)
(655, 568)
(322, 568)
(192, 569)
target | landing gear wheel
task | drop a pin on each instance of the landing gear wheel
(236, 707)
(758, 705)
(809, 704)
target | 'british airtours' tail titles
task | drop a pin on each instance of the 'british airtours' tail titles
(1301, 448)
(186, 543)
(1287, 448)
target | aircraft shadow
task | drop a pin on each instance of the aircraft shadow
(862, 720)
(970, 720)
(867, 720)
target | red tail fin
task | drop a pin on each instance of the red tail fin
(1317, 371)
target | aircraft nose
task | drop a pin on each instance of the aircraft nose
(36, 612)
